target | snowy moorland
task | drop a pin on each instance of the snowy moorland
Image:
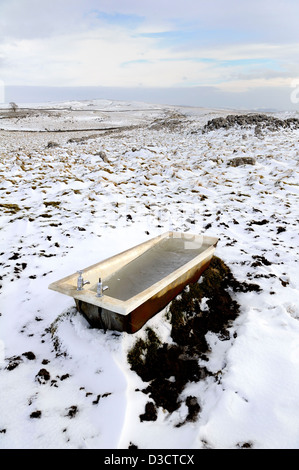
(81, 181)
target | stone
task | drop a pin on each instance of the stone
(238, 161)
(52, 144)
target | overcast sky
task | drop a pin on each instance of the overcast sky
(230, 48)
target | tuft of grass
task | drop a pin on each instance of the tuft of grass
(190, 321)
(53, 330)
(10, 208)
(143, 356)
(52, 203)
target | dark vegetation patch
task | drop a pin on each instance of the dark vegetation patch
(36, 414)
(204, 306)
(43, 376)
(96, 401)
(19, 267)
(259, 222)
(10, 208)
(260, 261)
(132, 446)
(13, 362)
(29, 355)
(150, 413)
(51, 203)
(72, 411)
(15, 256)
(245, 445)
(172, 121)
(64, 376)
(239, 161)
(45, 216)
(193, 410)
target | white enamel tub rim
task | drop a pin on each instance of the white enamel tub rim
(68, 285)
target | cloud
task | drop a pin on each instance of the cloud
(231, 45)
(265, 20)
(115, 57)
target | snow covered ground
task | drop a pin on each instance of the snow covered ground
(81, 181)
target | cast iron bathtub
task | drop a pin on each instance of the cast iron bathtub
(141, 281)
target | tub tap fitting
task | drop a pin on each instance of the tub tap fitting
(100, 288)
(80, 281)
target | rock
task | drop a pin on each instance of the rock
(103, 156)
(52, 144)
(246, 120)
(238, 161)
(258, 129)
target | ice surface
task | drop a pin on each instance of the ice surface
(152, 266)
